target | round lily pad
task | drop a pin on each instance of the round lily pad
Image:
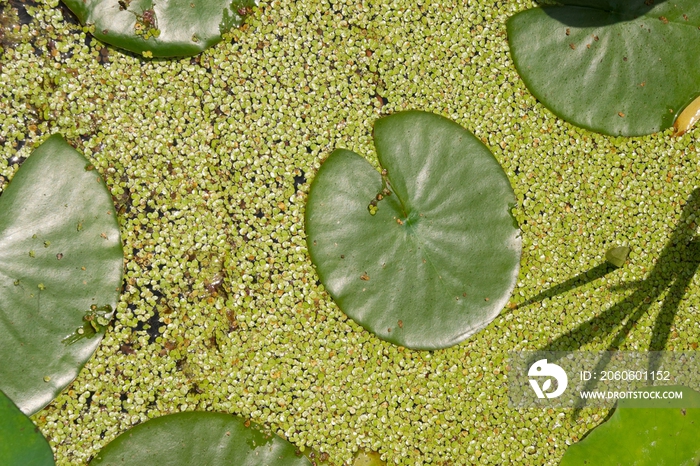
(198, 438)
(615, 67)
(439, 257)
(21, 442)
(163, 28)
(60, 272)
(636, 435)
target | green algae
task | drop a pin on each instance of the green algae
(209, 162)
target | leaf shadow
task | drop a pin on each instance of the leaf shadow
(597, 13)
(671, 275)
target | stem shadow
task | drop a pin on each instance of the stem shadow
(672, 273)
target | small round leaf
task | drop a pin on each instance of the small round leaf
(617, 256)
(60, 272)
(439, 258)
(616, 67)
(163, 28)
(190, 438)
(21, 442)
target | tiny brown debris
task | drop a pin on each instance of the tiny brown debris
(59, 256)
(663, 19)
(683, 411)
(364, 277)
(401, 324)
(573, 46)
(127, 349)
(642, 84)
(103, 235)
(486, 299)
(399, 221)
(624, 58)
(620, 114)
(595, 38)
(685, 17)
(568, 31)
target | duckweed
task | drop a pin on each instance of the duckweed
(209, 161)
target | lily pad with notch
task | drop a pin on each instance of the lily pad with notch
(618, 67)
(427, 253)
(199, 438)
(161, 28)
(61, 264)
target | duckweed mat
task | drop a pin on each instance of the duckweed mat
(209, 161)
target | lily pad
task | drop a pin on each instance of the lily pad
(619, 67)
(162, 28)
(198, 438)
(644, 436)
(60, 266)
(21, 442)
(439, 258)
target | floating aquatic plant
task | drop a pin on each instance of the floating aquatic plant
(165, 28)
(21, 443)
(199, 438)
(644, 432)
(425, 253)
(60, 264)
(616, 67)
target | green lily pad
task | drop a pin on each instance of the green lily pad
(619, 67)
(162, 28)
(60, 267)
(440, 256)
(198, 438)
(644, 436)
(21, 442)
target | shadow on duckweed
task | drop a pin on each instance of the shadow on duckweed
(671, 275)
